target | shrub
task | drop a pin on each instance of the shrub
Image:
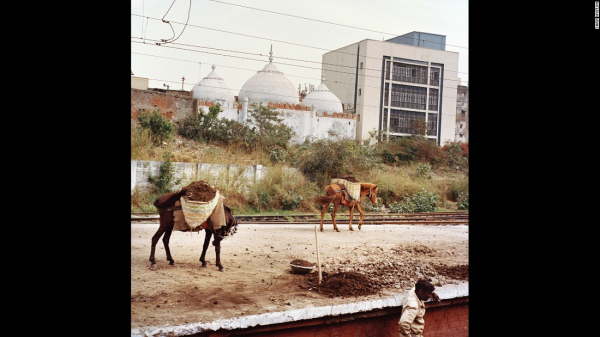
(463, 201)
(165, 181)
(419, 202)
(423, 171)
(161, 128)
(455, 160)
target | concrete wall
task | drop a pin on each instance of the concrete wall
(218, 174)
(140, 83)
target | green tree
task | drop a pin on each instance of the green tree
(200, 127)
(270, 130)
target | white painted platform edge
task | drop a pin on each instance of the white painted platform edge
(242, 322)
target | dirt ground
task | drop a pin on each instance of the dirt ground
(377, 261)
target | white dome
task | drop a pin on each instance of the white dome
(323, 100)
(212, 87)
(269, 85)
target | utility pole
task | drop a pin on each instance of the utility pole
(182, 80)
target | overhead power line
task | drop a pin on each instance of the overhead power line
(268, 39)
(327, 22)
(281, 63)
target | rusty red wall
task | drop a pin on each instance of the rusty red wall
(173, 104)
(448, 319)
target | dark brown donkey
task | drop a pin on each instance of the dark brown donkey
(166, 206)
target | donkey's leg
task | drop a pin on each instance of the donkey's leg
(361, 215)
(166, 240)
(336, 205)
(207, 236)
(323, 211)
(217, 244)
(351, 216)
(155, 238)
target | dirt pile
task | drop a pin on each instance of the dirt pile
(302, 263)
(343, 284)
(199, 191)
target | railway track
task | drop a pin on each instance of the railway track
(426, 218)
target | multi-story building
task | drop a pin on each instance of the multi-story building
(462, 115)
(397, 87)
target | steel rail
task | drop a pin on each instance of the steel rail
(460, 217)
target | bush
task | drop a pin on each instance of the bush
(423, 171)
(165, 181)
(456, 156)
(161, 128)
(419, 202)
(282, 188)
(463, 201)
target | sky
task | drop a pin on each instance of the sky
(236, 35)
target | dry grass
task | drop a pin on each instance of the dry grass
(189, 151)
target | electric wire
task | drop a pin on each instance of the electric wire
(327, 22)
(273, 40)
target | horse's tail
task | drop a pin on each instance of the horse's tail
(324, 199)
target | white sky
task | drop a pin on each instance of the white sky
(236, 35)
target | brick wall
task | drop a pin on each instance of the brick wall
(448, 319)
(173, 104)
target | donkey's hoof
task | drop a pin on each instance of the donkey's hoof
(153, 266)
(337, 230)
(352, 229)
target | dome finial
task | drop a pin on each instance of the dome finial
(271, 54)
(322, 77)
(213, 67)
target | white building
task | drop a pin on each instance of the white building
(390, 85)
(319, 115)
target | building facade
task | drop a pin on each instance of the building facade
(396, 88)
(462, 114)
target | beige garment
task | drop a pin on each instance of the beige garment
(217, 217)
(413, 311)
(179, 219)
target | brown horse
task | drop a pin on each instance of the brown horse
(335, 193)
(166, 206)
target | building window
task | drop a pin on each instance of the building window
(432, 124)
(402, 121)
(385, 117)
(433, 99)
(386, 95)
(410, 73)
(361, 65)
(462, 113)
(434, 77)
(359, 92)
(405, 96)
